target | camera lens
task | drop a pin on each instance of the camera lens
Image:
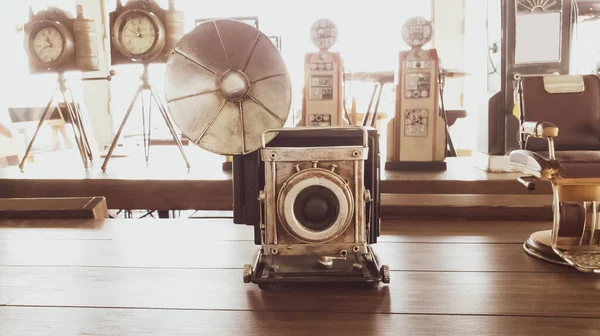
(316, 208)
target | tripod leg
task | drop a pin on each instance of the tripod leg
(149, 126)
(451, 149)
(165, 115)
(62, 129)
(79, 115)
(116, 139)
(368, 112)
(374, 115)
(145, 140)
(79, 126)
(37, 130)
(78, 137)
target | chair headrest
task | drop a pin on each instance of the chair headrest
(564, 84)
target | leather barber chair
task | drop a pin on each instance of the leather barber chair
(569, 159)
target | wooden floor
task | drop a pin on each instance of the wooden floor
(183, 277)
(166, 184)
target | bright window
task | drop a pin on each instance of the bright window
(369, 40)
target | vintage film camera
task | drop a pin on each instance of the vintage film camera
(55, 41)
(312, 194)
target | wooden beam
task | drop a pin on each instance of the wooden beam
(68, 207)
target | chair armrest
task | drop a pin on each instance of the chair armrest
(543, 130)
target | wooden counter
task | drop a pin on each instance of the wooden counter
(165, 184)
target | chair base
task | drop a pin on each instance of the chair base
(539, 245)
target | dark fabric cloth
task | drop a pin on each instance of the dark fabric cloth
(572, 219)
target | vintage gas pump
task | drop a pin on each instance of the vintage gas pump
(322, 103)
(417, 134)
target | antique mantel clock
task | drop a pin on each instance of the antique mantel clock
(143, 32)
(50, 41)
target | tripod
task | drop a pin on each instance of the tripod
(74, 113)
(145, 86)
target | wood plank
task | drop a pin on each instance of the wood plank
(129, 194)
(461, 177)
(458, 231)
(393, 185)
(222, 229)
(468, 200)
(234, 254)
(26, 321)
(448, 293)
(67, 207)
(128, 183)
(467, 207)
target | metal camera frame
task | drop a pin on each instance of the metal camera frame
(292, 253)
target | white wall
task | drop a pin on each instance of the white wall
(25, 89)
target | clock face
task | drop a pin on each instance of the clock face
(48, 44)
(139, 35)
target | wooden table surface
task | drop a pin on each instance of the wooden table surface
(183, 277)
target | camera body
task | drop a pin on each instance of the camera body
(76, 39)
(313, 198)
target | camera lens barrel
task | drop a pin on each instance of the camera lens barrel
(316, 208)
(315, 205)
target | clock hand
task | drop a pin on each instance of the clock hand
(133, 31)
